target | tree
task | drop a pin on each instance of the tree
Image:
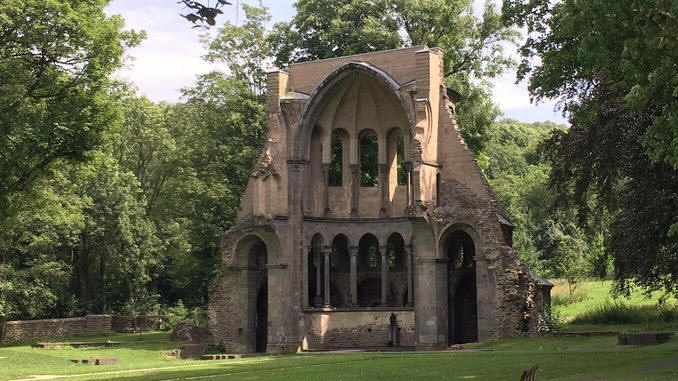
(245, 49)
(629, 48)
(618, 177)
(473, 48)
(612, 66)
(55, 58)
(546, 237)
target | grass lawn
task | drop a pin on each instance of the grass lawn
(590, 294)
(143, 357)
(558, 359)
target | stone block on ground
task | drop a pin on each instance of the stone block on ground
(185, 331)
(191, 351)
(223, 356)
(95, 361)
(644, 338)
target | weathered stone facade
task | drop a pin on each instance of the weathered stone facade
(365, 202)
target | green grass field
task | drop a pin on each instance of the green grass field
(592, 307)
(558, 359)
(144, 357)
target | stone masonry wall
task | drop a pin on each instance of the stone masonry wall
(135, 324)
(357, 329)
(19, 330)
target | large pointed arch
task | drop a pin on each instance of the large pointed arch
(322, 93)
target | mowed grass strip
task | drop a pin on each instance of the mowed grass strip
(590, 295)
(592, 307)
(558, 359)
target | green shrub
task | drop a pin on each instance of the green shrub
(175, 314)
(549, 321)
(622, 313)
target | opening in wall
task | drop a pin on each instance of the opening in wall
(369, 159)
(400, 160)
(336, 159)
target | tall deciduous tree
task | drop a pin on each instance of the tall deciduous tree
(613, 66)
(55, 58)
(245, 49)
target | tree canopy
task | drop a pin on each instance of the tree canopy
(613, 67)
(55, 60)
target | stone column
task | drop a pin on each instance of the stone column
(327, 251)
(353, 252)
(355, 188)
(326, 175)
(383, 190)
(410, 280)
(431, 306)
(384, 275)
(416, 193)
(318, 301)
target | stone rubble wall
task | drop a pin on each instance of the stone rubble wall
(136, 324)
(357, 329)
(20, 330)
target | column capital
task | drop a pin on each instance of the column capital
(353, 251)
(383, 249)
(327, 250)
(327, 166)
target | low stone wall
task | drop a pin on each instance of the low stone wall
(135, 324)
(357, 328)
(36, 329)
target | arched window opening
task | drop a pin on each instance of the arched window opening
(369, 160)
(395, 246)
(372, 258)
(340, 269)
(336, 159)
(369, 272)
(400, 160)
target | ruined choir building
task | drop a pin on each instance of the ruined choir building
(366, 202)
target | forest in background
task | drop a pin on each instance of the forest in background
(110, 203)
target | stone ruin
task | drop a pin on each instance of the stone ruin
(366, 202)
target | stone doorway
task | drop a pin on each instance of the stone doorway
(462, 305)
(465, 312)
(262, 319)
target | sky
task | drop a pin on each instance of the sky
(170, 57)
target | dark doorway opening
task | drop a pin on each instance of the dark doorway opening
(262, 319)
(465, 311)
(462, 304)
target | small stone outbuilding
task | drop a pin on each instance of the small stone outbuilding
(366, 202)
